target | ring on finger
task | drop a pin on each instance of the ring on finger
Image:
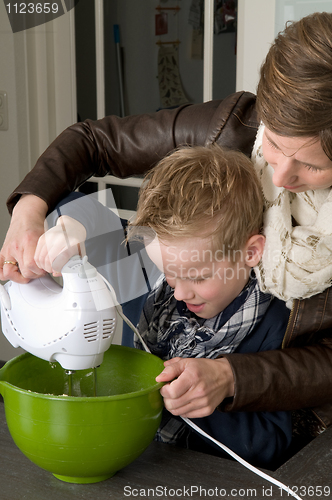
(10, 262)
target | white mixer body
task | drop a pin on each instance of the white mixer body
(73, 324)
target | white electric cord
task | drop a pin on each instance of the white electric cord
(194, 426)
(241, 461)
(120, 313)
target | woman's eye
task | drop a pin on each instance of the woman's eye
(312, 168)
(273, 146)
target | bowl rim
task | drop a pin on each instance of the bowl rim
(63, 397)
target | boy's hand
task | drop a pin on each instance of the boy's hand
(197, 385)
(58, 244)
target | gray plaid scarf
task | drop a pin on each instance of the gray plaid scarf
(170, 329)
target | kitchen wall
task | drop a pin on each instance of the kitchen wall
(37, 74)
(14, 142)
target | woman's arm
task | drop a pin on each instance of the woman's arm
(112, 145)
(122, 147)
(299, 375)
(288, 379)
(134, 144)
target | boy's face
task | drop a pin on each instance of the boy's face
(205, 280)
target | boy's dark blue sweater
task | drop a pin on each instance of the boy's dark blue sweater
(259, 437)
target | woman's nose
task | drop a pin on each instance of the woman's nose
(183, 290)
(285, 172)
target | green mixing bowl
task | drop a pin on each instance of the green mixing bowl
(83, 438)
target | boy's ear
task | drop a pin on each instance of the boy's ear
(254, 249)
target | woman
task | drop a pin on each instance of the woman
(294, 101)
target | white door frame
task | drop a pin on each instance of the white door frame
(208, 50)
(51, 81)
(255, 33)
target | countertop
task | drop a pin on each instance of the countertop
(165, 471)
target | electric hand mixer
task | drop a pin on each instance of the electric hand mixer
(73, 324)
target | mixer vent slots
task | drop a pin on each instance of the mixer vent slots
(108, 328)
(91, 331)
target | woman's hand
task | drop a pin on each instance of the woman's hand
(58, 244)
(197, 385)
(26, 227)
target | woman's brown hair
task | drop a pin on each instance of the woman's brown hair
(294, 94)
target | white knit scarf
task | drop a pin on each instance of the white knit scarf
(297, 260)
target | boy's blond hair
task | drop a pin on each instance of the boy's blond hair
(201, 192)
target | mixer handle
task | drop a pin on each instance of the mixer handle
(4, 298)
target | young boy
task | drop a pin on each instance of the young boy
(200, 215)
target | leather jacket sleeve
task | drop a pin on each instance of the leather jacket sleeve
(132, 145)
(286, 379)
(298, 376)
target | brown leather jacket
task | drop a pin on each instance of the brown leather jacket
(299, 375)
